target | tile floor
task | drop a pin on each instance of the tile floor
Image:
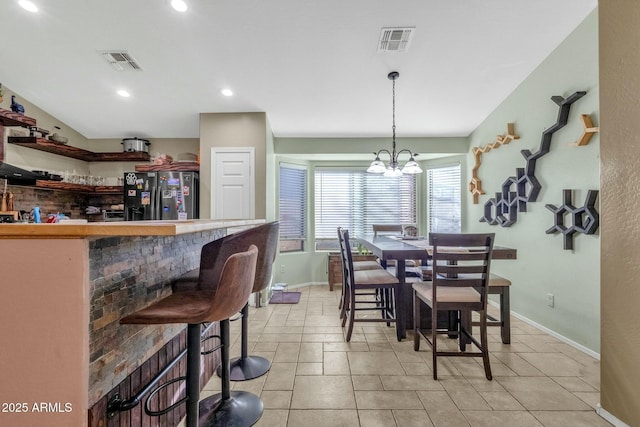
(317, 379)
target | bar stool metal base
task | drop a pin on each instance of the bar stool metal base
(240, 410)
(248, 368)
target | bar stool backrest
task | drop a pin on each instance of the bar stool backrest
(214, 254)
(234, 287)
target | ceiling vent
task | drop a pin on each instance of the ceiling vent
(120, 60)
(395, 39)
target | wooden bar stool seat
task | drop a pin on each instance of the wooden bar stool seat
(194, 307)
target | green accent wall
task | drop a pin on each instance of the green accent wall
(543, 267)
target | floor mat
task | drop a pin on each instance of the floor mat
(285, 298)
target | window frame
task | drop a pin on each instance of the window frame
(429, 199)
(295, 242)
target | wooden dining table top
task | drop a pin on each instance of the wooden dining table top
(395, 247)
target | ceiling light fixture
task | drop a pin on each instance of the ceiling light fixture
(123, 93)
(377, 166)
(179, 5)
(227, 92)
(28, 5)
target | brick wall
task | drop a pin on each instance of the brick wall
(72, 204)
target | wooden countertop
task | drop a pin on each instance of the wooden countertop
(122, 228)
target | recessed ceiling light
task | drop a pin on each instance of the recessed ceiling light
(123, 93)
(227, 92)
(28, 5)
(179, 5)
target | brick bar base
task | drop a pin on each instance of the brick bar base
(143, 374)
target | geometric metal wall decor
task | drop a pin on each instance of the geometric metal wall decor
(523, 188)
(475, 186)
(589, 130)
(584, 219)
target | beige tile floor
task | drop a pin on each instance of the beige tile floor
(317, 379)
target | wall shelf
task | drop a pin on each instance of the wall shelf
(80, 188)
(173, 167)
(42, 144)
(9, 118)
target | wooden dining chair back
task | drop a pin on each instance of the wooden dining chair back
(393, 230)
(382, 229)
(461, 271)
(360, 290)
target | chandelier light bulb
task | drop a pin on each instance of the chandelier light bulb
(179, 5)
(28, 5)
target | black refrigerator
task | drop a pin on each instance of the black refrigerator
(161, 196)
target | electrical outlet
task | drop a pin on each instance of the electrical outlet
(550, 300)
(282, 269)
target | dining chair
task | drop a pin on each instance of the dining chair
(461, 271)
(360, 290)
(357, 266)
(395, 230)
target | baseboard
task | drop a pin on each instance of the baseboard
(610, 417)
(553, 333)
(302, 285)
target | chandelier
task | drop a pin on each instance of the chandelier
(378, 166)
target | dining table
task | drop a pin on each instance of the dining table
(400, 249)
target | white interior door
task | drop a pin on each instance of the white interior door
(233, 186)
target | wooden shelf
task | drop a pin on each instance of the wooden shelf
(79, 188)
(42, 144)
(173, 167)
(9, 118)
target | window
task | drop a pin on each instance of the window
(293, 207)
(443, 200)
(355, 199)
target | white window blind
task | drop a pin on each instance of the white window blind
(443, 200)
(293, 207)
(356, 200)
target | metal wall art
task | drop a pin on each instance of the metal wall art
(523, 188)
(584, 219)
(475, 186)
(589, 130)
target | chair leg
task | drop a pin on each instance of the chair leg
(386, 303)
(237, 408)
(416, 322)
(352, 316)
(193, 374)
(465, 325)
(485, 345)
(434, 340)
(345, 306)
(505, 316)
(246, 367)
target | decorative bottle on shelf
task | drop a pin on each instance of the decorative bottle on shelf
(36, 215)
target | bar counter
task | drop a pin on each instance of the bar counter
(118, 228)
(64, 288)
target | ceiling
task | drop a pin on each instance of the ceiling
(311, 65)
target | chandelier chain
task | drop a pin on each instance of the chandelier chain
(393, 127)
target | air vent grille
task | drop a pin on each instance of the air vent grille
(395, 39)
(120, 60)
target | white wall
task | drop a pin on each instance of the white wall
(543, 266)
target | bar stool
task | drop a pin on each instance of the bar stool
(237, 408)
(265, 237)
